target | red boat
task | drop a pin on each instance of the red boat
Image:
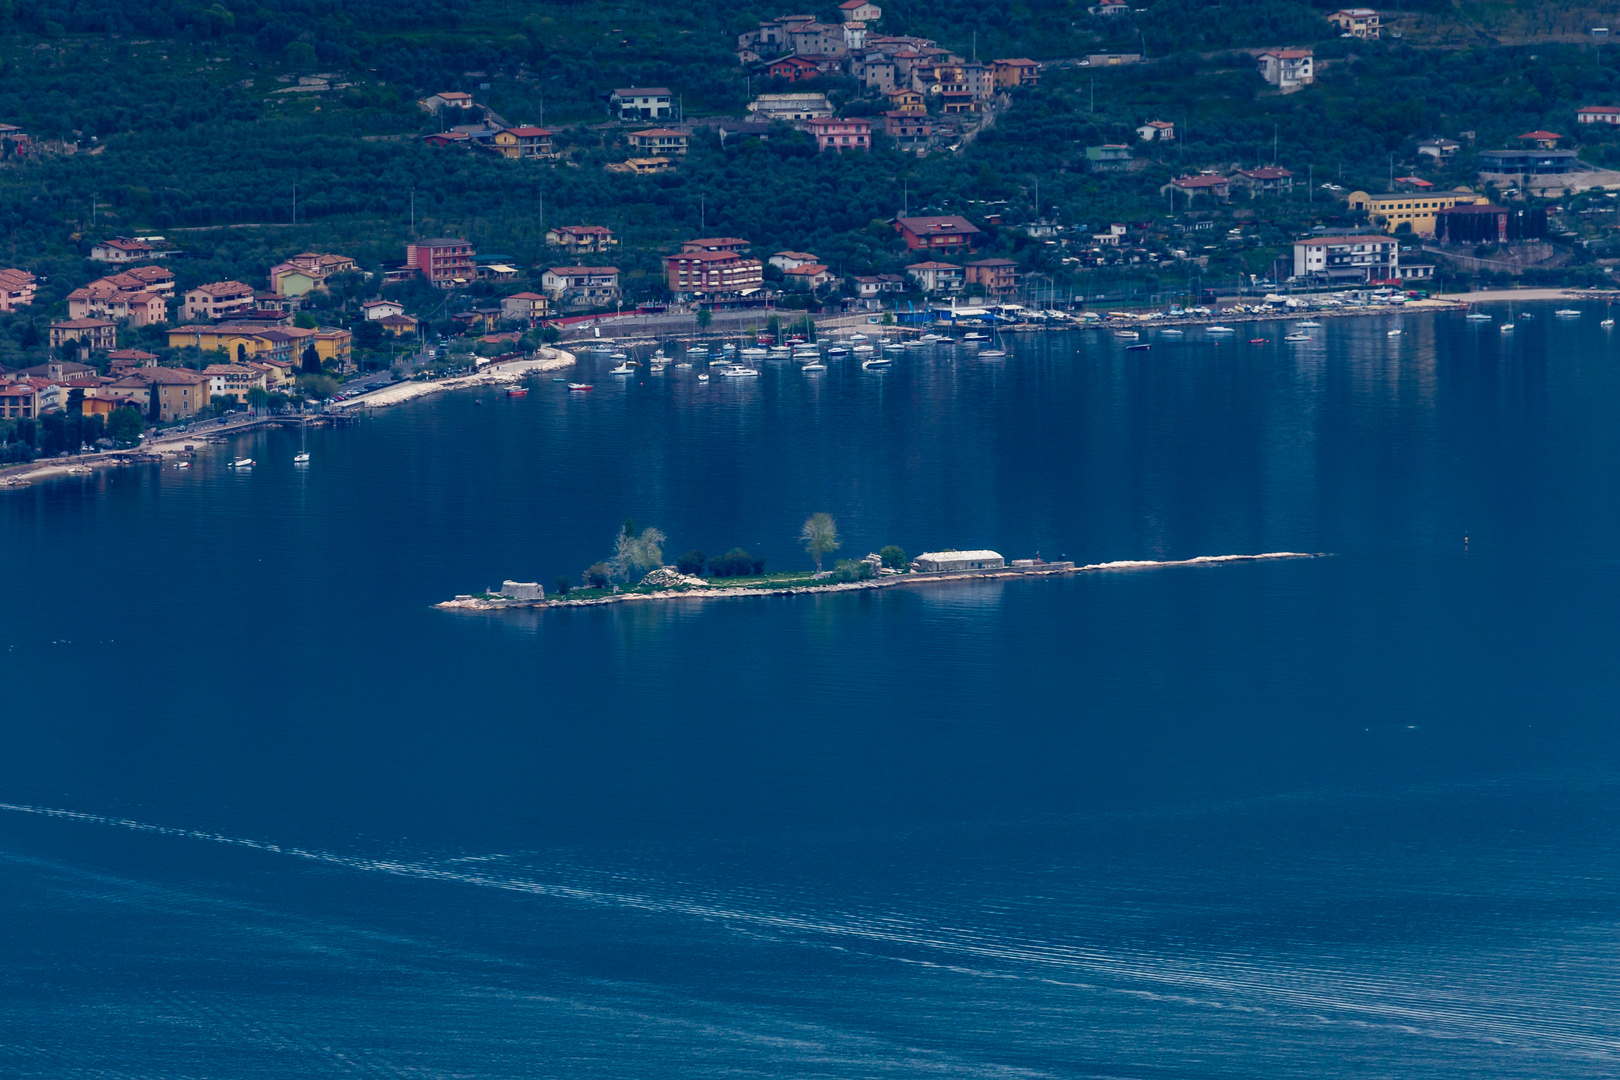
(581, 386)
(1258, 340)
(517, 391)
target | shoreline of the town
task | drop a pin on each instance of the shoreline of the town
(711, 591)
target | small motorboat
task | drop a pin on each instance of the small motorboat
(738, 371)
(301, 458)
(876, 361)
(517, 391)
(560, 378)
(1567, 313)
(703, 377)
(618, 356)
(182, 464)
(1477, 316)
(754, 354)
(1526, 315)
(837, 352)
(1127, 335)
(814, 365)
(974, 335)
(1606, 323)
(683, 364)
(698, 350)
(1172, 332)
(728, 347)
(242, 463)
(576, 387)
(1258, 340)
(1308, 324)
(1394, 333)
(1507, 328)
(862, 350)
(624, 369)
(1219, 330)
(1297, 337)
(992, 354)
(1140, 347)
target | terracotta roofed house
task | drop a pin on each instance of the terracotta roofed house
(1357, 23)
(1017, 72)
(936, 276)
(16, 289)
(807, 276)
(997, 276)
(90, 333)
(446, 262)
(1598, 114)
(659, 141)
(1267, 180)
(529, 306)
(581, 286)
(121, 249)
(705, 272)
(787, 260)
(523, 142)
(941, 233)
(852, 133)
(1214, 185)
(176, 392)
(581, 237)
(218, 299)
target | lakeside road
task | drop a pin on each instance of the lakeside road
(1485, 296)
(395, 393)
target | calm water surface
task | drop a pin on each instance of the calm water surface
(268, 814)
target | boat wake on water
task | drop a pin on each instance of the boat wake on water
(1320, 987)
(1202, 560)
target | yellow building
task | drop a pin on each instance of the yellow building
(1391, 210)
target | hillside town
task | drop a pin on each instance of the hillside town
(148, 337)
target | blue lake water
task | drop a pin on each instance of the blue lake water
(267, 813)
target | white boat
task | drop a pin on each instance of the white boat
(683, 364)
(1507, 328)
(814, 365)
(1567, 313)
(1297, 337)
(974, 335)
(698, 350)
(779, 351)
(863, 350)
(703, 377)
(728, 347)
(1606, 322)
(876, 361)
(739, 372)
(1526, 315)
(856, 339)
(182, 464)
(1394, 333)
(1127, 335)
(301, 458)
(617, 356)
(1308, 324)
(623, 369)
(1171, 332)
(1220, 330)
(918, 343)
(754, 354)
(992, 354)
(836, 352)
(242, 463)
(1478, 316)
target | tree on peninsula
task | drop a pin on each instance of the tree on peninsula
(820, 535)
(637, 550)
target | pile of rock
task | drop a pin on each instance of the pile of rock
(667, 577)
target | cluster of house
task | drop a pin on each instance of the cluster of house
(135, 380)
(523, 141)
(925, 84)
